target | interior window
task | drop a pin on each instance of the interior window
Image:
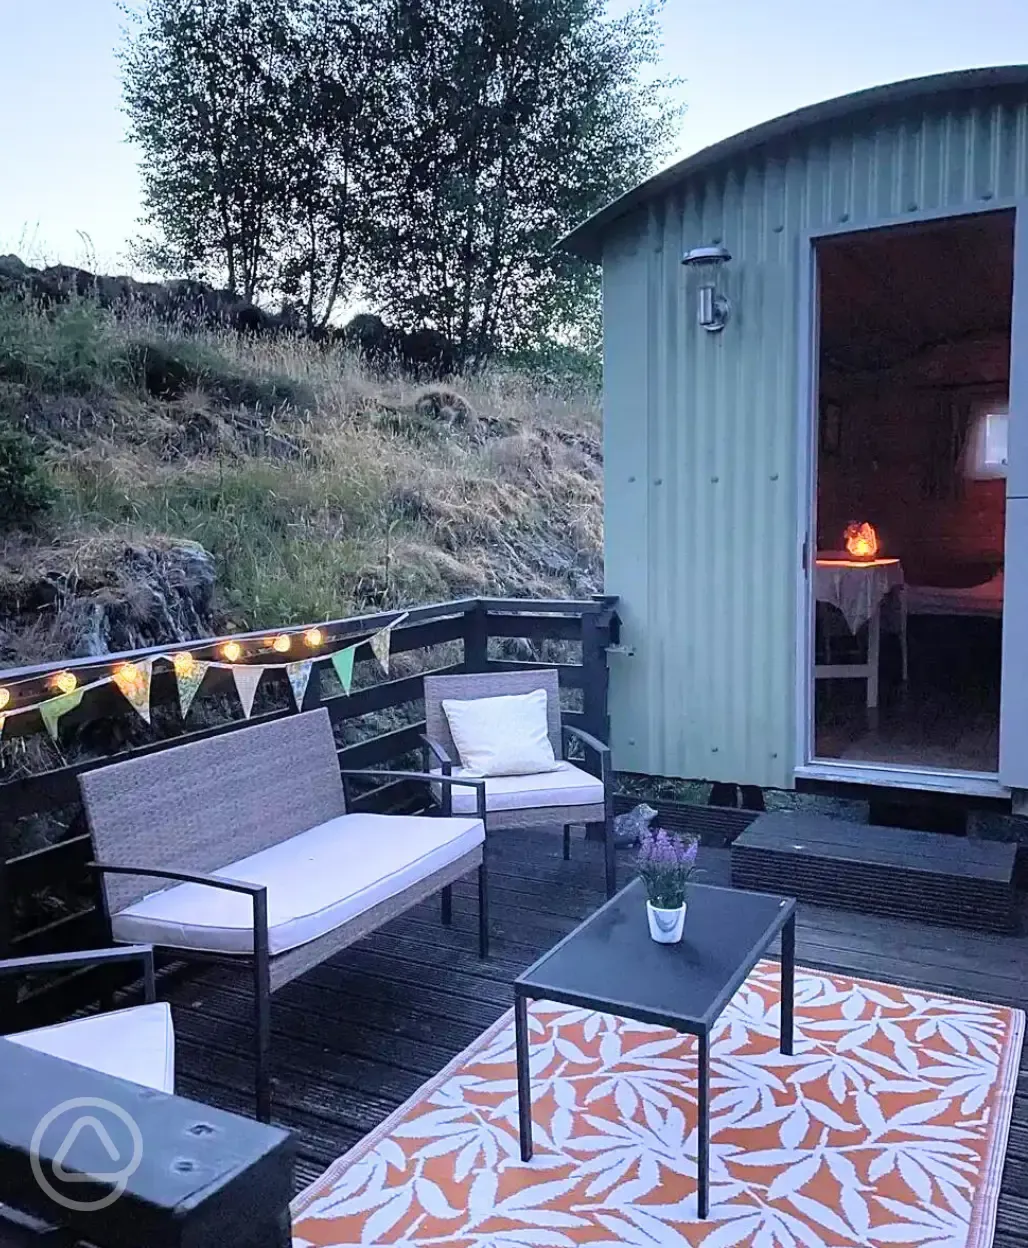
(987, 446)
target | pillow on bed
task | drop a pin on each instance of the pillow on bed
(504, 736)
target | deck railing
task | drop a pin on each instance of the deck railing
(47, 896)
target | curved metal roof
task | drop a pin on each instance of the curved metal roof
(586, 239)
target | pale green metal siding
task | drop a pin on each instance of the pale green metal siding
(702, 430)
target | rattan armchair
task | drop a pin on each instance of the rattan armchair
(573, 796)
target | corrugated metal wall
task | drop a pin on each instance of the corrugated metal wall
(701, 430)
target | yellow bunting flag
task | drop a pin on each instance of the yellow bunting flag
(342, 661)
(247, 679)
(299, 677)
(381, 643)
(189, 677)
(53, 708)
(133, 680)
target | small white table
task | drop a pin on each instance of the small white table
(859, 588)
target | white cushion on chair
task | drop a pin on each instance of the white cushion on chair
(504, 736)
(137, 1044)
(316, 882)
(568, 786)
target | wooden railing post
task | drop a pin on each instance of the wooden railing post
(476, 639)
(596, 627)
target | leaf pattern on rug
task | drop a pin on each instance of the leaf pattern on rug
(886, 1126)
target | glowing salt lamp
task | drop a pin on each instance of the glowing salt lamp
(861, 540)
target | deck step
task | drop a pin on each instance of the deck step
(894, 872)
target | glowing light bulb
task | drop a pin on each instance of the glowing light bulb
(66, 682)
(232, 651)
(129, 678)
(5, 698)
(281, 643)
(314, 637)
(184, 663)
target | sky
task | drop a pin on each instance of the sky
(69, 190)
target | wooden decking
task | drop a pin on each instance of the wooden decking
(356, 1037)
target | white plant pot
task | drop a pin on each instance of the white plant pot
(666, 926)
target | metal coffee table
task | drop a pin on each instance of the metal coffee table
(610, 964)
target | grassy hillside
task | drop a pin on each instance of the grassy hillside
(316, 488)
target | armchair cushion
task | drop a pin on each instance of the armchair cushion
(137, 1044)
(567, 786)
(504, 736)
(317, 881)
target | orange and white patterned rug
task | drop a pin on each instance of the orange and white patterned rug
(887, 1126)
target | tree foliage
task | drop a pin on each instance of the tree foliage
(423, 154)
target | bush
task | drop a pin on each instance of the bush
(74, 349)
(25, 487)
(167, 368)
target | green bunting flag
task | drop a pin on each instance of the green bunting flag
(247, 679)
(189, 680)
(342, 661)
(53, 708)
(299, 677)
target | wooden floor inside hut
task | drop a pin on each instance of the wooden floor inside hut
(356, 1037)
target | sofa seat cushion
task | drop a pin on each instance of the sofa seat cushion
(567, 786)
(316, 882)
(137, 1044)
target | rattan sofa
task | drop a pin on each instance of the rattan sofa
(257, 858)
(566, 798)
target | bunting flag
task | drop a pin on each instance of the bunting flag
(189, 681)
(247, 679)
(133, 681)
(53, 708)
(382, 642)
(342, 661)
(299, 677)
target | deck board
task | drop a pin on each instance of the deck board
(357, 1036)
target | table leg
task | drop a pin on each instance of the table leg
(524, 1076)
(874, 649)
(788, 982)
(903, 632)
(703, 1127)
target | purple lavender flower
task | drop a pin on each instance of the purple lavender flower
(666, 862)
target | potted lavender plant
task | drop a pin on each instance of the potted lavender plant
(666, 863)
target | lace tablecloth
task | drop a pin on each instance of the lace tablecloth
(857, 589)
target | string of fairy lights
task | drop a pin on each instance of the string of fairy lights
(291, 648)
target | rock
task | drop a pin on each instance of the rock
(428, 353)
(630, 826)
(371, 337)
(109, 596)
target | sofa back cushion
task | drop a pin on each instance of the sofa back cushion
(199, 806)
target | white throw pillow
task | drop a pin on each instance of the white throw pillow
(505, 736)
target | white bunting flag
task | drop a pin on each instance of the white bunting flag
(247, 679)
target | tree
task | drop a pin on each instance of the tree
(338, 119)
(259, 123)
(513, 120)
(205, 90)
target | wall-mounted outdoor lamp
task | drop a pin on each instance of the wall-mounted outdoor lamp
(713, 308)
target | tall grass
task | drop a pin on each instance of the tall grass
(319, 488)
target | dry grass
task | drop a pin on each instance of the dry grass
(319, 488)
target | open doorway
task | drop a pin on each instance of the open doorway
(914, 365)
